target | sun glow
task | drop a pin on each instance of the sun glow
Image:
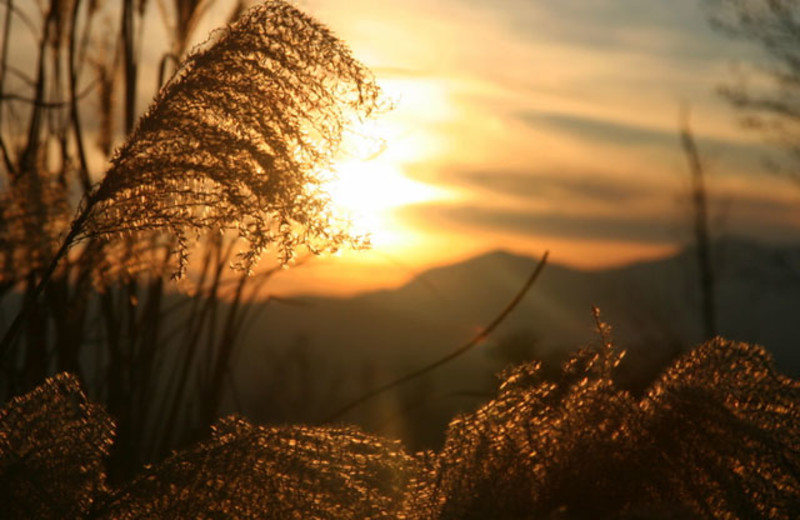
(368, 192)
(371, 180)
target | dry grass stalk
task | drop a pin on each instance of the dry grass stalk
(239, 138)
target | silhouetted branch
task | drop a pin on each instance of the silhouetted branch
(772, 106)
(483, 334)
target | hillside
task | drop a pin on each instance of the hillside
(346, 345)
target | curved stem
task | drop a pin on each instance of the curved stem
(449, 357)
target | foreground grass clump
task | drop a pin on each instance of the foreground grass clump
(231, 161)
(716, 436)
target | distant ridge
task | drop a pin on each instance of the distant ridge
(652, 307)
(754, 279)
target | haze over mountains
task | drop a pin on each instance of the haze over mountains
(346, 345)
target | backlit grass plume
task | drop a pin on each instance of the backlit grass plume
(715, 437)
(238, 140)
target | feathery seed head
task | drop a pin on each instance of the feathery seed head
(239, 137)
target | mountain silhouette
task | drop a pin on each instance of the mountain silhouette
(345, 346)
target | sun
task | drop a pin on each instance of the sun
(370, 181)
(368, 193)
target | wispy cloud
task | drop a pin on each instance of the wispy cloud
(630, 135)
(644, 229)
(561, 118)
(739, 214)
(586, 186)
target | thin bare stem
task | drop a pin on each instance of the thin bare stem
(701, 231)
(483, 334)
(3, 69)
(73, 98)
(30, 301)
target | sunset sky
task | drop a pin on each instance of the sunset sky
(531, 125)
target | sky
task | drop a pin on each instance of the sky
(533, 125)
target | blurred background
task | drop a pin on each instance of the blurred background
(648, 145)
